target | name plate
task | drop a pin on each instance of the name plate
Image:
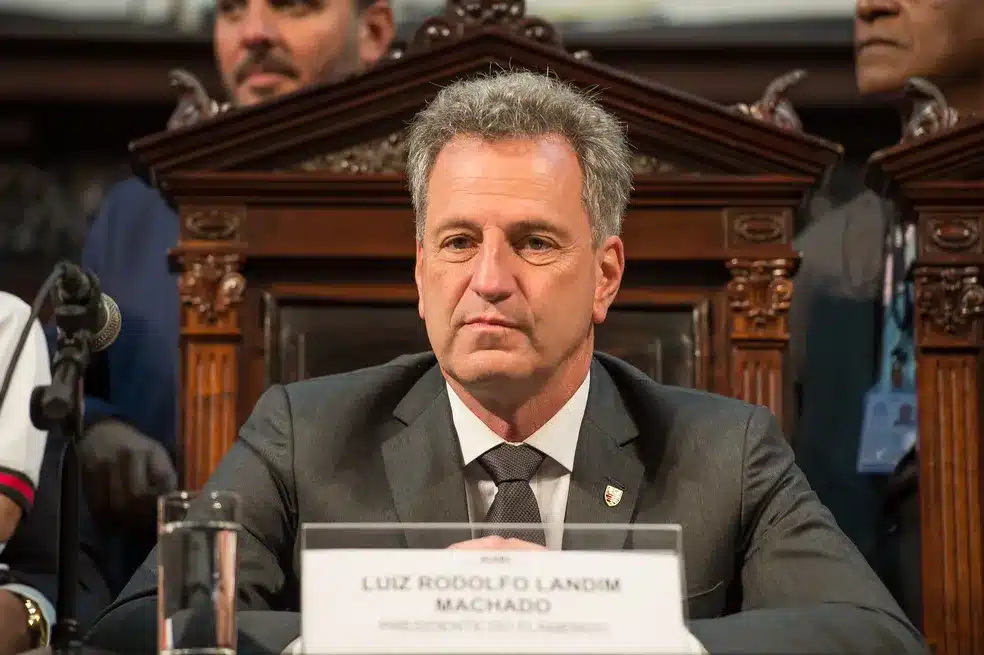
(519, 602)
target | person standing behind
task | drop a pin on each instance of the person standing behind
(845, 338)
(263, 49)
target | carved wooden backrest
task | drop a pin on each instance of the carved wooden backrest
(937, 174)
(295, 218)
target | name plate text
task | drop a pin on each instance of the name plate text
(439, 602)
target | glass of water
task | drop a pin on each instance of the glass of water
(197, 534)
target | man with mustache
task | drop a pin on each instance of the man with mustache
(846, 339)
(263, 49)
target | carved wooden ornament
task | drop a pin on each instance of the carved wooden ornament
(930, 112)
(463, 16)
(949, 298)
(760, 290)
(387, 155)
(213, 224)
(774, 107)
(194, 103)
(212, 284)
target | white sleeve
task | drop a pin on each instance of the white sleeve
(21, 444)
(47, 609)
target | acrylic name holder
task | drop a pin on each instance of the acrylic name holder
(425, 599)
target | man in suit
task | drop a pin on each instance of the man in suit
(29, 498)
(841, 330)
(519, 184)
(263, 49)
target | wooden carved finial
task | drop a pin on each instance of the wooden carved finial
(194, 104)
(774, 107)
(930, 112)
(464, 16)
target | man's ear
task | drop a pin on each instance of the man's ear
(376, 32)
(611, 268)
(418, 274)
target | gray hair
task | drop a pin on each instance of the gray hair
(513, 104)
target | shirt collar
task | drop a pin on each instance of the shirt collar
(557, 438)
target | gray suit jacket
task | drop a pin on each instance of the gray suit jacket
(767, 569)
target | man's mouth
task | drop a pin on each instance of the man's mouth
(483, 321)
(875, 42)
(260, 77)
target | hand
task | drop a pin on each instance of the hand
(495, 543)
(15, 637)
(123, 472)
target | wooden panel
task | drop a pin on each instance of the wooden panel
(950, 458)
(313, 330)
(209, 407)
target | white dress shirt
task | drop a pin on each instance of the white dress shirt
(557, 439)
(21, 444)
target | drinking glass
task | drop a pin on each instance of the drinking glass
(197, 535)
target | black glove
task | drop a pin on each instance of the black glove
(123, 473)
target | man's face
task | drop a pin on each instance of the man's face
(510, 284)
(266, 48)
(942, 40)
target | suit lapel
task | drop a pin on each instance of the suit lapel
(605, 460)
(423, 464)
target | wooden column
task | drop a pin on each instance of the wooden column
(759, 295)
(210, 257)
(949, 333)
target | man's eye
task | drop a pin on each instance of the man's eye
(229, 8)
(458, 243)
(296, 7)
(537, 243)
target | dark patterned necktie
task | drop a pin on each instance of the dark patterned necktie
(511, 468)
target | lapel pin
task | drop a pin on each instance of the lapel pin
(613, 495)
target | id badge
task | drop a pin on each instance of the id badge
(889, 432)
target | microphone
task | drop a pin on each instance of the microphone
(87, 321)
(81, 287)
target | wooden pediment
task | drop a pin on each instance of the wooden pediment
(954, 153)
(938, 144)
(356, 126)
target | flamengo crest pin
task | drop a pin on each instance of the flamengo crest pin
(613, 496)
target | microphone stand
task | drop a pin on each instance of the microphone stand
(59, 406)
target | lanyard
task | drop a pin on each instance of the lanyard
(898, 350)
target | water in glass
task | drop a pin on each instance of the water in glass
(196, 568)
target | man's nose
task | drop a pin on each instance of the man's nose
(871, 10)
(259, 26)
(492, 278)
